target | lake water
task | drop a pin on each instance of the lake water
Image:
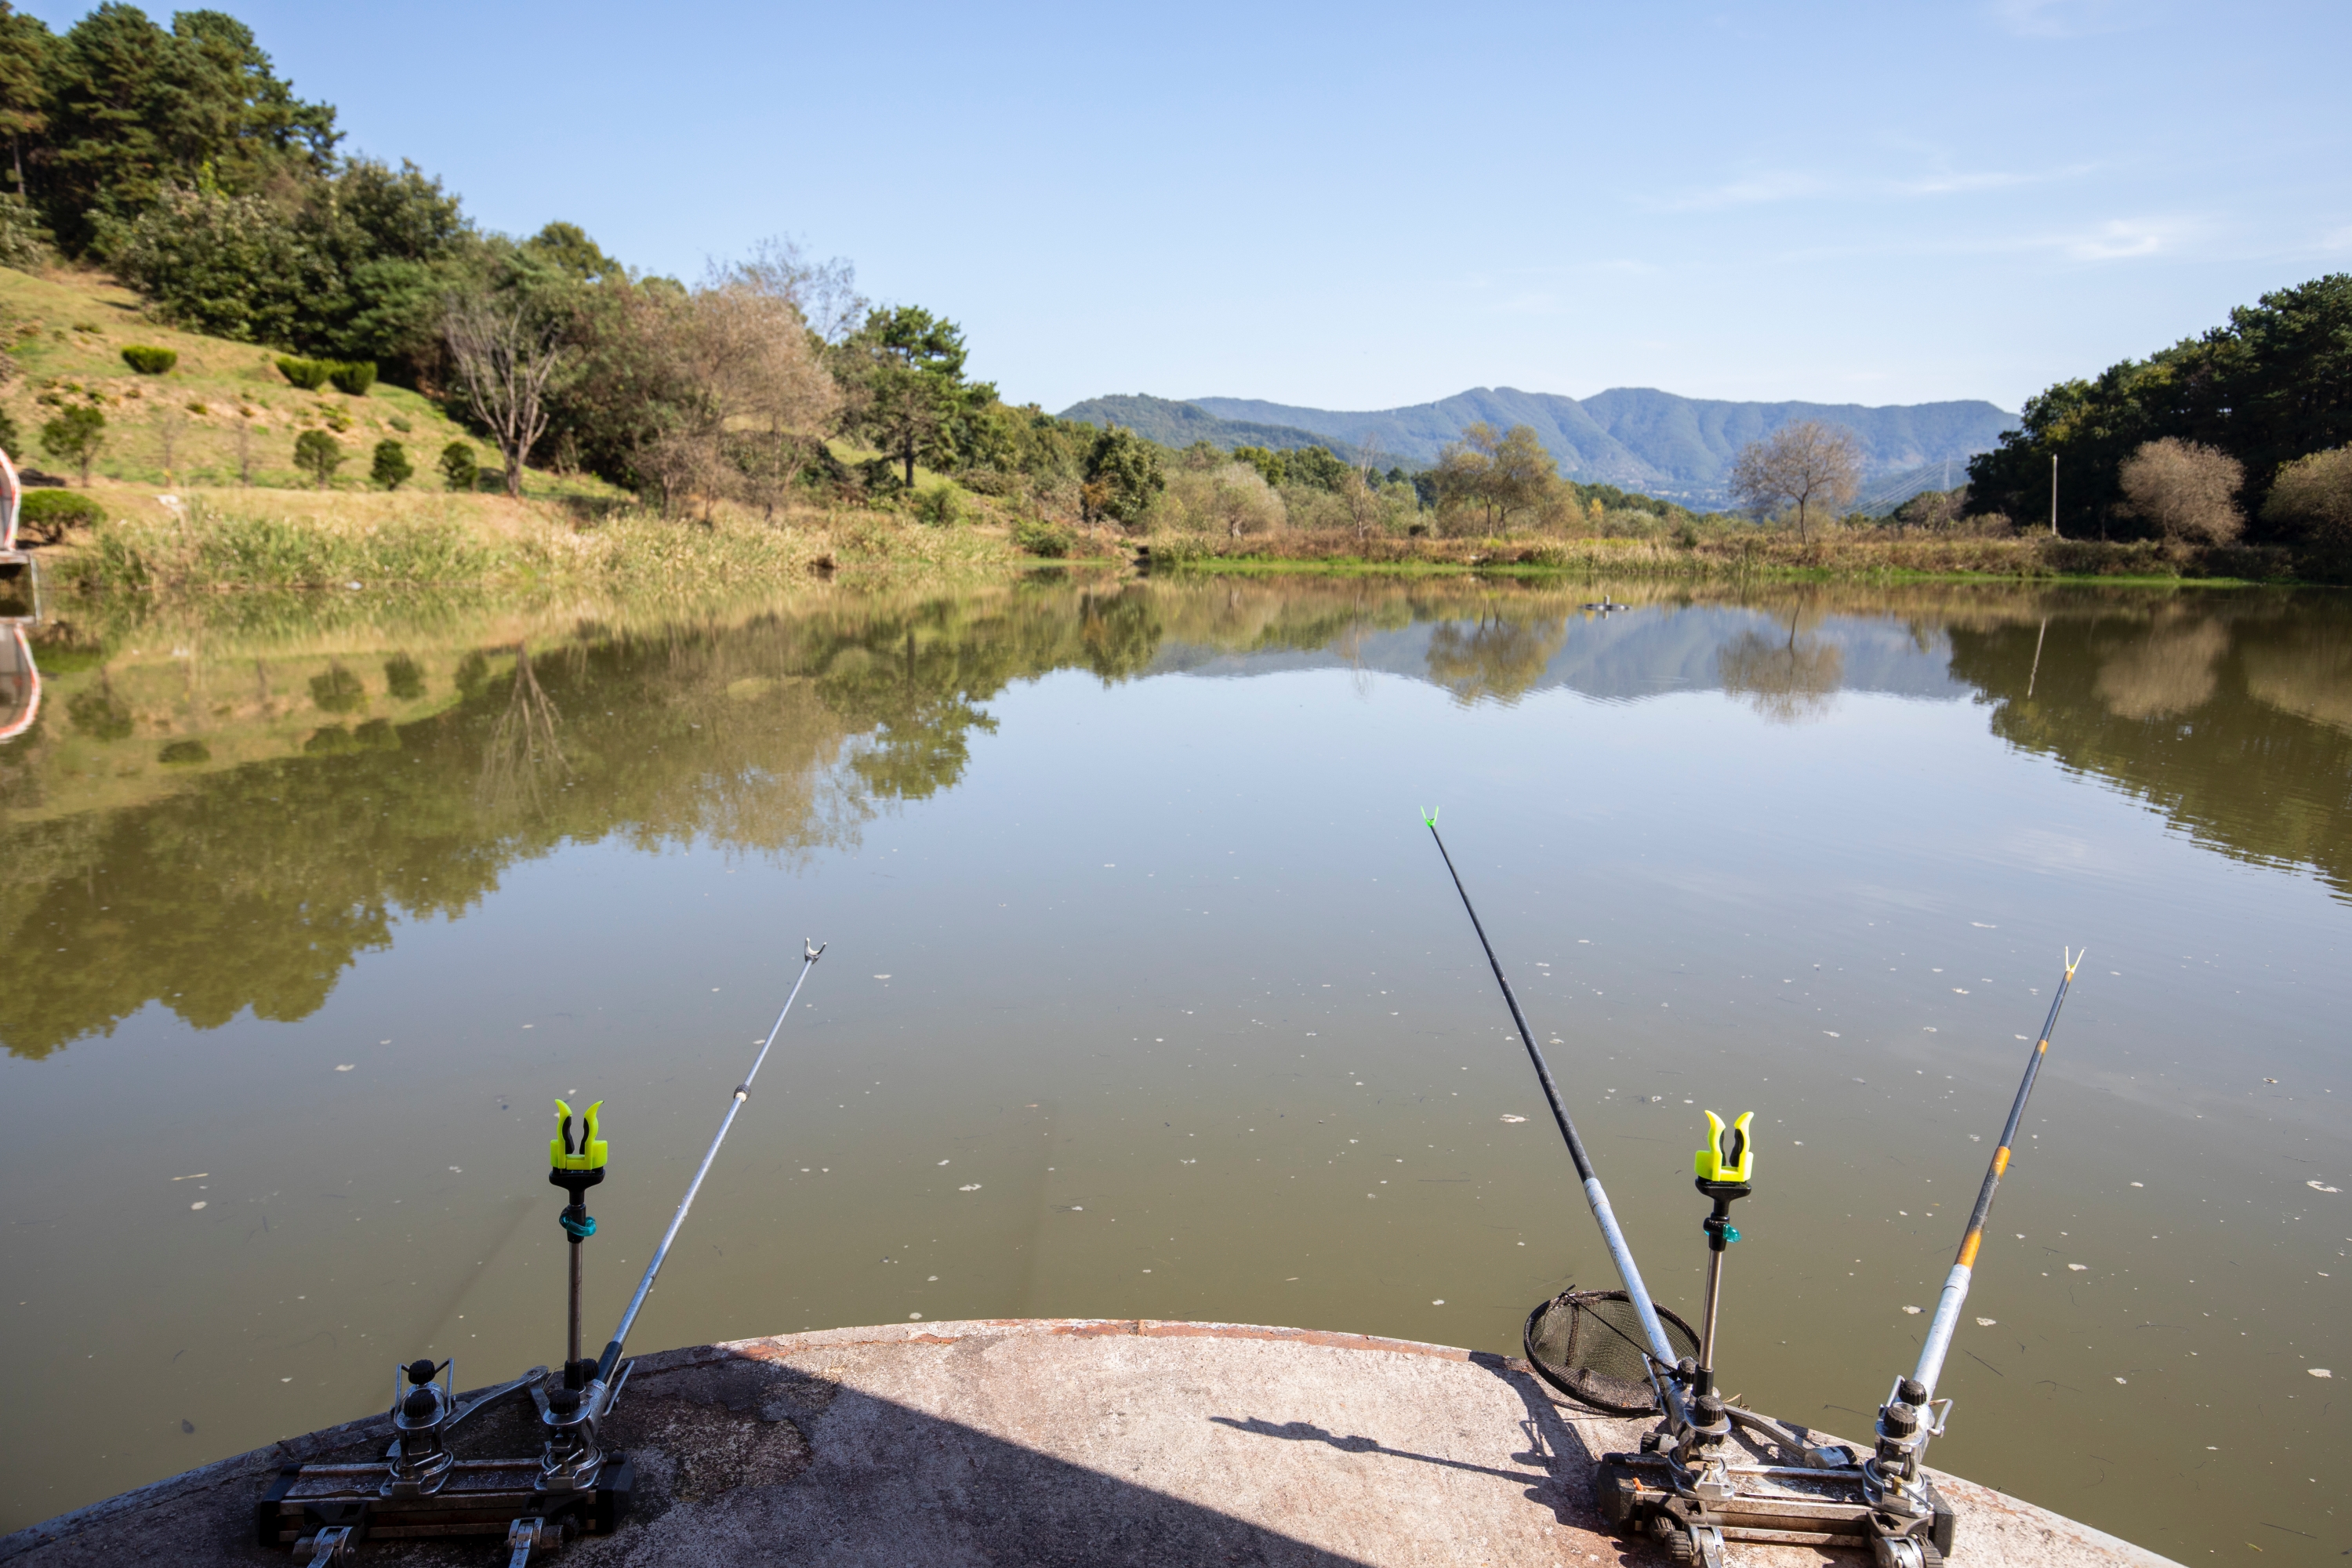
(1147, 994)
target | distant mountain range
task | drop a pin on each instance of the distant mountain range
(1678, 448)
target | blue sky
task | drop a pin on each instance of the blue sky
(1364, 205)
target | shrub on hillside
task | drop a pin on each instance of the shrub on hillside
(25, 243)
(2313, 496)
(1051, 539)
(939, 506)
(392, 466)
(148, 360)
(354, 377)
(459, 472)
(319, 455)
(309, 374)
(49, 513)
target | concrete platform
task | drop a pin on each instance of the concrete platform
(1058, 1441)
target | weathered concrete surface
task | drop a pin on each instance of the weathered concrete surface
(1058, 1442)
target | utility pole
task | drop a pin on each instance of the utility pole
(2054, 495)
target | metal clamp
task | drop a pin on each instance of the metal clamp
(525, 1536)
(330, 1546)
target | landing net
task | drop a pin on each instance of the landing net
(1589, 1344)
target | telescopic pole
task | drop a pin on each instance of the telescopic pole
(1956, 1284)
(611, 1356)
(1619, 1252)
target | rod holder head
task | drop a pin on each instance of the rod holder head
(1730, 1157)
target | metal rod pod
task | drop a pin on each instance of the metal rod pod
(606, 1362)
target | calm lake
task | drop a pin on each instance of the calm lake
(1147, 994)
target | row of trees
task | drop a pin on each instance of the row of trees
(2222, 433)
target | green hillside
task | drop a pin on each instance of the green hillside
(223, 415)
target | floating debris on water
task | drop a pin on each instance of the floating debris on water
(197, 1205)
(1515, 1118)
(2319, 1371)
(1986, 1322)
(1913, 1311)
(2079, 1267)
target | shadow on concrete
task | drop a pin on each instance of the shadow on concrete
(738, 1461)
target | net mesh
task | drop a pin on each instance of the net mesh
(1589, 1344)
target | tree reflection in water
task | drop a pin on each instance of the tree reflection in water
(177, 829)
(1788, 679)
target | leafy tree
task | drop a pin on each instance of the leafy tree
(1805, 464)
(1316, 466)
(1273, 466)
(1123, 474)
(904, 370)
(75, 436)
(352, 269)
(134, 107)
(319, 455)
(458, 469)
(567, 248)
(391, 468)
(26, 43)
(1493, 476)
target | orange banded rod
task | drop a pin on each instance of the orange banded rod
(1956, 1284)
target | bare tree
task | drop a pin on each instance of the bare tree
(2189, 492)
(824, 292)
(1360, 490)
(245, 447)
(1805, 463)
(168, 422)
(506, 354)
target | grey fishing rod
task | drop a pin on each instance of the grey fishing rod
(1956, 1284)
(611, 1356)
(1619, 1252)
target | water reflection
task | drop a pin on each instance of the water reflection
(222, 816)
(1787, 681)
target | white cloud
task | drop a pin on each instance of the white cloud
(2119, 239)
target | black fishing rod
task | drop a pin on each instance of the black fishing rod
(1619, 1252)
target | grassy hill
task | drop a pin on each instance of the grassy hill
(66, 332)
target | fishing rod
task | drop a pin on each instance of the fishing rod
(1619, 1252)
(606, 1362)
(1911, 1414)
(574, 1486)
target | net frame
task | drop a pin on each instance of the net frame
(1594, 1352)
